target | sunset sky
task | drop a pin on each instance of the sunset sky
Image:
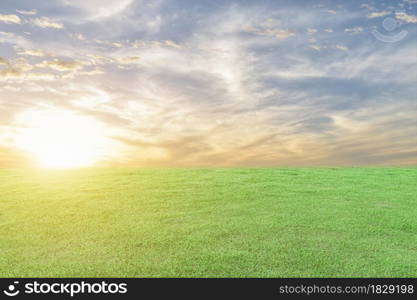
(208, 83)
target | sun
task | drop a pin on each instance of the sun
(61, 139)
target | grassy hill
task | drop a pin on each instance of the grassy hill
(285, 222)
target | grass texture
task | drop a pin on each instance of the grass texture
(271, 222)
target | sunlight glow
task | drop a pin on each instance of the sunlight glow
(61, 139)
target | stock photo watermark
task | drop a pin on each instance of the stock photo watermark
(71, 289)
(12, 289)
(392, 28)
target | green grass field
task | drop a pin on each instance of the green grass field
(289, 222)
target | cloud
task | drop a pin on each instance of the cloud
(35, 52)
(78, 36)
(7, 34)
(45, 22)
(378, 14)
(354, 30)
(39, 76)
(98, 9)
(3, 61)
(109, 43)
(316, 47)
(62, 66)
(27, 12)
(157, 44)
(18, 72)
(96, 59)
(9, 73)
(21, 64)
(331, 11)
(173, 44)
(367, 6)
(128, 59)
(341, 47)
(207, 91)
(406, 17)
(311, 30)
(10, 19)
(278, 33)
(92, 72)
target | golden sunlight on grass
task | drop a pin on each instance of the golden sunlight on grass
(62, 139)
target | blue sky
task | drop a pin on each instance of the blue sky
(216, 83)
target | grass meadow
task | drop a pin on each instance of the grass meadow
(283, 222)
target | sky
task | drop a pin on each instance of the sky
(210, 83)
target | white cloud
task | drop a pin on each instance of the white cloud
(341, 47)
(108, 43)
(406, 17)
(316, 47)
(128, 60)
(21, 64)
(3, 61)
(156, 44)
(354, 30)
(92, 72)
(96, 59)
(11, 88)
(7, 34)
(45, 22)
(10, 19)
(62, 66)
(27, 12)
(94, 9)
(367, 6)
(78, 36)
(378, 14)
(278, 33)
(9, 73)
(35, 52)
(39, 76)
(225, 92)
(173, 44)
